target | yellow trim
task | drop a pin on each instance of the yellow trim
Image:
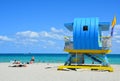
(88, 51)
(91, 67)
(106, 37)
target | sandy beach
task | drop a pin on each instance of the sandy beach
(48, 72)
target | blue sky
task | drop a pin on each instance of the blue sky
(38, 25)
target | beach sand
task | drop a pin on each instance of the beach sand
(48, 72)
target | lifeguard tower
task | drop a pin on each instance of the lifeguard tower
(87, 42)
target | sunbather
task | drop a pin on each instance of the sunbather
(16, 62)
(19, 65)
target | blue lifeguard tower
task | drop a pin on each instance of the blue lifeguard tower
(87, 41)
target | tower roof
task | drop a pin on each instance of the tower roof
(104, 26)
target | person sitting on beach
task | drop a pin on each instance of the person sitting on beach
(16, 62)
(32, 60)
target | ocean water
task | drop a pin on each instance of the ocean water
(49, 58)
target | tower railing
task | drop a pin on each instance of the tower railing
(106, 42)
(68, 42)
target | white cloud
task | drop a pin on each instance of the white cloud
(117, 26)
(44, 46)
(34, 40)
(48, 42)
(56, 30)
(116, 31)
(51, 42)
(44, 34)
(5, 38)
(30, 37)
(117, 36)
(27, 37)
(118, 41)
(30, 34)
(26, 41)
(52, 39)
(51, 35)
(57, 34)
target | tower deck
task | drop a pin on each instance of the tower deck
(87, 51)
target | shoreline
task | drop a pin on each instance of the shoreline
(49, 72)
(48, 63)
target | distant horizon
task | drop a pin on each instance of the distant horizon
(48, 53)
(34, 53)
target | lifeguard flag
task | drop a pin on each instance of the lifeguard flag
(113, 24)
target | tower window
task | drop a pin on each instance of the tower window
(85, 28)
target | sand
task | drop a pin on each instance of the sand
(48, 72)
